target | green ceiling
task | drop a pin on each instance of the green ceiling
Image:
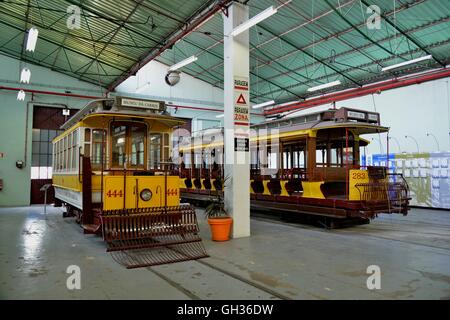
(307, 43)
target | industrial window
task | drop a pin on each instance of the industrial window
(41, 159)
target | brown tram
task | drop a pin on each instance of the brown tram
(307, 165)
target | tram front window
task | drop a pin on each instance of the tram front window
(128, 145)
(118, 145)
(137, 146)
(155, 150)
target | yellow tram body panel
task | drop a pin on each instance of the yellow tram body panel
(355, 177)
(312, 189)
(113, 190)
(114, 195)
(74, 182)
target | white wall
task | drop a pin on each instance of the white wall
(414, 111)
(149, 83)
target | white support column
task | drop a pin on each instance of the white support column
(237, 120)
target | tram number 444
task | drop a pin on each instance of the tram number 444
(114, 194)
(119, 194)
(172, 192)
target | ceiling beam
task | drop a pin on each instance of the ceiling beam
(304, 24)
(410, 38)
(41, 36)
(320, 60)
(114, 21)
(357, 29)
(192, 24)
(421, 27)
(381, 76)
(251, 73)
(119, 28)
(27, 13)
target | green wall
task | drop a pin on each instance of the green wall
(16, 182)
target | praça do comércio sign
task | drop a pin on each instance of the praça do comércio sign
(241, 114)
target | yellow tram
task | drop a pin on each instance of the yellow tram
(111, 170)
(308, 164)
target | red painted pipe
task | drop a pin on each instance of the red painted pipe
(53, 93)
(93, 97)
(207, 109)
(194, 108)
(359, 92)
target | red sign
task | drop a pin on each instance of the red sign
(241, 99)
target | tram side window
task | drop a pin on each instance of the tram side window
(339, 157)
(287, 160)
(61, 154)
(58, 164)
(321, 157)
(87, 142)
(272, 157)
(348, 155)
(54, 154)
(61, 149)
(98, 138)
(75, 149)
(253, 157)
(198, 158)
(299, 159)
(55, 157)
(69, 151)
(65, 153)
(187, 157)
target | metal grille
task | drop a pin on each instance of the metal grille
(391, 194)
(152, 236)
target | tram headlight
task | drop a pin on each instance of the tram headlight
(146, 194)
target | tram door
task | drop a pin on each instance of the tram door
(46, 124)
(128, 145)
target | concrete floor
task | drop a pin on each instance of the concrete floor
(280, 261)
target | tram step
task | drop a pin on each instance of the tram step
(91, 228)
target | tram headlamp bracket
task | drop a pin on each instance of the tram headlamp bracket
(146, 195)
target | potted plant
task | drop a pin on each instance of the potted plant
(218, 218)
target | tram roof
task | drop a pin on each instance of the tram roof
(361, 120)
(129, 107)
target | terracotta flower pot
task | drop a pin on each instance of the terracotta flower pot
(220, 228)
